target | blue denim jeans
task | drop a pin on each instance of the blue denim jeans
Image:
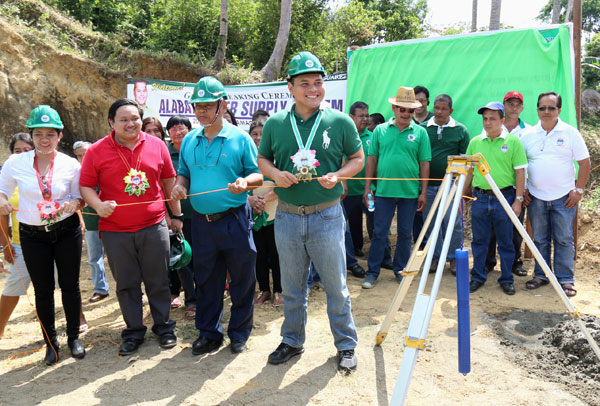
(552, 220)
(385, 207)
(485, 212)
(432, 191)
(319, 238)
(95, 252)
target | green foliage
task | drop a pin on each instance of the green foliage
(591, 75)
(590, 14)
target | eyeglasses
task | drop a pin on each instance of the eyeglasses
(362, 116)
(206, 164)
(205, 107)
(549, 108)
(178, 129)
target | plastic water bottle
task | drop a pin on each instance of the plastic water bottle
(371, 202)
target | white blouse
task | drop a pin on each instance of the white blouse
(19, 171)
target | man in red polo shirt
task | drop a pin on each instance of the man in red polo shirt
(132, 167)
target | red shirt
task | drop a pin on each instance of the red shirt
(103, 167)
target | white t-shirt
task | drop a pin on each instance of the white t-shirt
(550, 156)
(18, 171)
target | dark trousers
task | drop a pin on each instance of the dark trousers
(354, 213)
(490, 261)
(186, 274)
(267, 258)
(220, 246)
(41, 250)
(136, 257)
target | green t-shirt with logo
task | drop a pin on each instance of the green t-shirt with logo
(399, 154)
(357, 187)
(335, 138)
(504, 155)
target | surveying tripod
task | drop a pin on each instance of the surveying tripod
(457, 172)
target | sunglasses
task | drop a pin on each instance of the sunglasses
(549, 108)
(404, 109)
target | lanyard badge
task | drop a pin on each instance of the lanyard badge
(305, 160)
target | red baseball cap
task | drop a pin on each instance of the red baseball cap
(513, 95)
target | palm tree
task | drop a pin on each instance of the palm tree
(556, 6)
(273, 66)
(474, 16)
(222, 46)
(495, 15)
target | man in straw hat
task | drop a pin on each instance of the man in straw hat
(399, 149)
(301, 150)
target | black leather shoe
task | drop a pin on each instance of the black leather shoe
(508, 288)
(205, 345)
(357, 271)
(51, 354)
(347, 360)
(129, 346)
(283, 353)
(77, 349)
(387, 265)
(474, 285)
(238, 346)
(167, 340)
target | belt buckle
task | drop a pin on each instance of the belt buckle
(302, 210)
(207, 217)
(46, 228)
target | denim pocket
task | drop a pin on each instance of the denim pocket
(331, 213)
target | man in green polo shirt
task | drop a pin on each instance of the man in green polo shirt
(399, 149)
(301, 149)
(447, 137)
(505, 155)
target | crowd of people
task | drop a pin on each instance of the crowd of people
(277, 205)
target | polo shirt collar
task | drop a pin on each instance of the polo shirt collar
(223, 133)
(502, 135)
(411, 126)
(560, 126)
(365, 132)
(521, 123)
(141, 139)
(451, 123)
(322, 107)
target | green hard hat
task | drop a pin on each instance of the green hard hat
(207, 90)
(304, 62)
(44, 117)
(180, 253)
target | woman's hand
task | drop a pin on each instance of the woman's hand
(70, 206)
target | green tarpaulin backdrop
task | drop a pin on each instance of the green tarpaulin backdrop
(472, 69)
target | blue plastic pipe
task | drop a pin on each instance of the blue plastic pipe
(464, 321)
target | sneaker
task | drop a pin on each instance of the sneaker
(369, 282)
(347, 360)
(357, 271)
(283, 353)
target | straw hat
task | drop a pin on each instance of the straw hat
(270, 207)
(405, 98)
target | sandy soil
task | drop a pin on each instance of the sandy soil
(515, 357)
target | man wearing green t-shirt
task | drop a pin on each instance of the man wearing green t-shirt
(301, 149)
(505, 155)
(447, 137)
(399, 149)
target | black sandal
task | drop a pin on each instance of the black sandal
(535, 283)
(569, 289)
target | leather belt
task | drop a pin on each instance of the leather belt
(47, 228)
(305, 210)
(217, 216)
(504, 191)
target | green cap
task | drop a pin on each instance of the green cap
(207, 90)
(304, 62)
(180, 253)
(44, 117)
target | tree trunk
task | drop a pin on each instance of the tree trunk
(569, 16)
(495, 15)
(474, 17)
(222, 46)
(556, 6)
(271, 70)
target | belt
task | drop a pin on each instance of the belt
(504, 191)
(305, 210)
(217, 216)
(47, 228)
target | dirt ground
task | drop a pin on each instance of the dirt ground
(522, 352)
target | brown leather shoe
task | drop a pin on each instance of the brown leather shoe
(261, 297)
(96, 297)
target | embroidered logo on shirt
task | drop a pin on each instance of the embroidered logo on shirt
(326, 139)
(504, 148)
(368, 142)
(560, 142)
(411, 137)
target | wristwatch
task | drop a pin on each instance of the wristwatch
(177, 217)
(519, 198)
(579, 190)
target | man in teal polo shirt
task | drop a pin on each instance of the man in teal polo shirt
(506, 158)
(399, 149)
(302, 149)
(447, 137)
(218, 155)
